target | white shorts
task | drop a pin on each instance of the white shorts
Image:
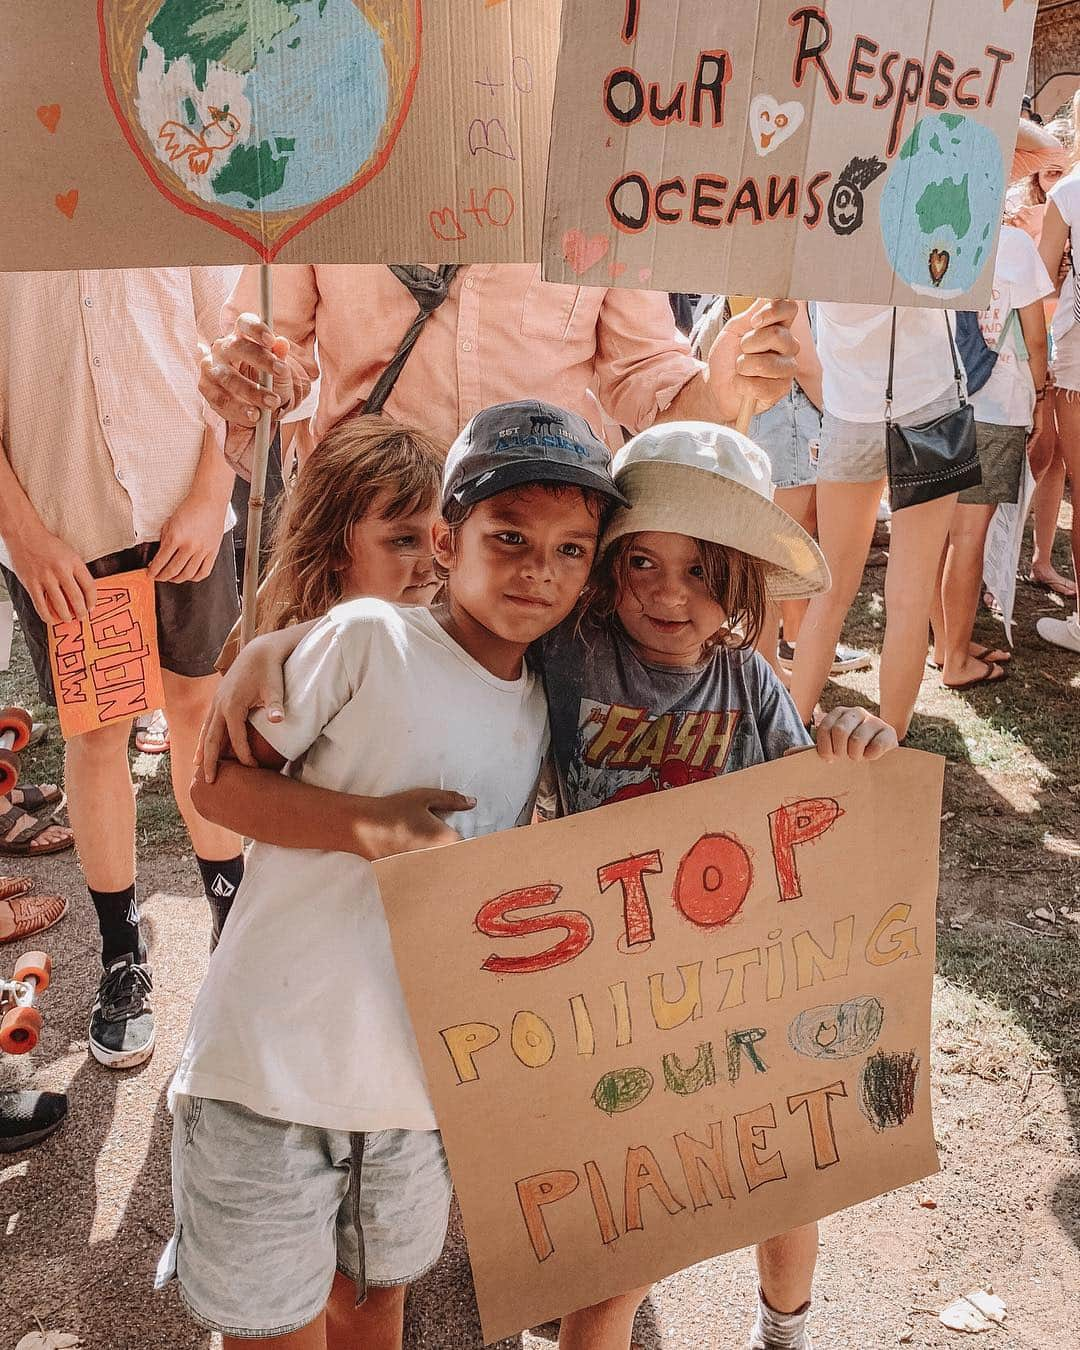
(266, 1211)
(1065, 364)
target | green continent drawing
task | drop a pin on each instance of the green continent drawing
(945, 204)
(230, 32)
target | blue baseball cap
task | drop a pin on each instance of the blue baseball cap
(513, 444)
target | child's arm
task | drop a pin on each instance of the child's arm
(263, 804)
(254, 680)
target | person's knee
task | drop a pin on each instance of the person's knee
(97, 747)
(188, 698)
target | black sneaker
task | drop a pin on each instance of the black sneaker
(122, 1025)
(26, 1118)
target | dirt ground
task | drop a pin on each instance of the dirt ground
(84, 1217)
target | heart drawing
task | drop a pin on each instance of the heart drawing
(581, 252)
(772, 123)
(217, 101)
(49, 116)
(939, 265)
(66, 202)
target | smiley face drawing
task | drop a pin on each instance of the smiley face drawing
(772, 123)
(847, 206)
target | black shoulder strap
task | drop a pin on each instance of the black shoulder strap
(892, 361)
(429, 289)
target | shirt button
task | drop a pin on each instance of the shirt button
(88, 302)
(466, 346)
(106, 421)
(97, 361)
(469, 283)
(119, 476)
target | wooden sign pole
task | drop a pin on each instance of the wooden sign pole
(257, 499)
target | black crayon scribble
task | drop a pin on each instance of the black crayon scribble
(887, 1088)
(847, 207)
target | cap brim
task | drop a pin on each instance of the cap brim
(527, 471)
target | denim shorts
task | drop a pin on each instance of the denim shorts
(785, 432)
(266, 1211)
(854, 452)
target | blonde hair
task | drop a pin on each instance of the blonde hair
(735, 581)
(361, 459)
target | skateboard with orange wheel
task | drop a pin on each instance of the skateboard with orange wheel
(15, 727)
(20, 1023)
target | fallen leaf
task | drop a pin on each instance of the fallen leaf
(949, 815)
(50, 1340)
(907, 1335)
(978, 1311)
(927, 1202)
(1047, 915)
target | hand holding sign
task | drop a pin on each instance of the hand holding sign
(54, 575)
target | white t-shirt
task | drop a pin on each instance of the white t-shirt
(1020, 279)
(301, 1016)
(853, 344)
(1065, 194)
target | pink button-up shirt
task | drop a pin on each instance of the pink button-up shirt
(501, 334)
(100, 413)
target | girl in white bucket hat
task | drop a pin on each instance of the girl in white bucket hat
(655, 685)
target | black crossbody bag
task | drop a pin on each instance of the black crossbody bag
(933, 460)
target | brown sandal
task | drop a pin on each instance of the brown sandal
(22, 846)
(34, 797)
(10, 887)
(33, 914)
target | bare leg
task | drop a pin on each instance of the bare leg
(1046, 511)
(847, 513)
(918, 537)
(101, 806)
(801, 504)
(1068, 411)
(311, 1337)
(187, 701)
(604, 1326)
(375, 1325)
(786, 1267)
(959, 592)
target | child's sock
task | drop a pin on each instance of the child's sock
(221, 880)
(779, 1331)
(118, 919)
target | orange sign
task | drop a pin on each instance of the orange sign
(105, 667)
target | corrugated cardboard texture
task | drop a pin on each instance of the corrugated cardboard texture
(146, 133)
(846, 151)
(704, 1022)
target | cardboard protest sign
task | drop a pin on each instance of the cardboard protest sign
(847, 152)
(105, 667)
(675, 1026)
(144, 133)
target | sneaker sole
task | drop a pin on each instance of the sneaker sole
(29, 1140)
(123, 1059)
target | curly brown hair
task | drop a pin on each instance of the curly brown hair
(361, 459)
(735, 580)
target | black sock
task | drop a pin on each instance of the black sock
(221, 880)
(118, 919)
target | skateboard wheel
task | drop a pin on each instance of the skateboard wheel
(19, 1031)
(19, 722)
(34, 964)
(9, 771)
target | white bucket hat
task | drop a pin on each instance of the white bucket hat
(713, 483)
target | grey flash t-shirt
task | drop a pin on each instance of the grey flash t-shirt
(622, 728)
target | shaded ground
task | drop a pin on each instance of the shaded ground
(83, 1218)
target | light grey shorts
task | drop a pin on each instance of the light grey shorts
(854, 452)
(1065, 360)
(1002, 451)
(266, 1211)
(786, 432)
